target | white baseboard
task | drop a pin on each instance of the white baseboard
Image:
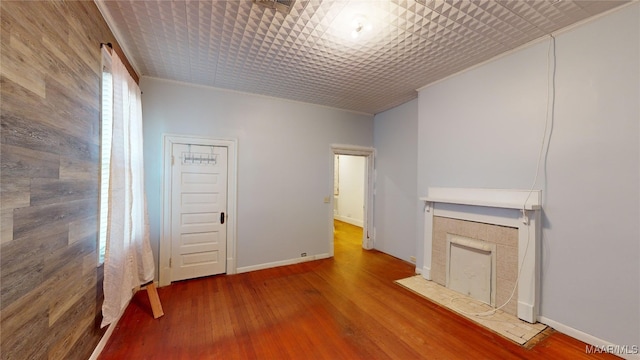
(589, 339)
(111, 327)
(349, 220)
(282, 263)
(418, 270)
(105, 338)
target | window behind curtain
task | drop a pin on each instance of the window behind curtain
(106, 125)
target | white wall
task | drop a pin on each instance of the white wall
(396, 203)
(482, 128)
(285, 162)
(350, 199)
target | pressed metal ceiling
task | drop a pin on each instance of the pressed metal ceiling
(309, 55)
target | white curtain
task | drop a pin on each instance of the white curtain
(128, 259)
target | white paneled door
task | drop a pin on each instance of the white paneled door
(198, 211)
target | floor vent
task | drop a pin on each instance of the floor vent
(283, 6)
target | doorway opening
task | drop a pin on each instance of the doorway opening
(348, 189)
(353, 194)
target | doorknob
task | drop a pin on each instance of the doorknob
(221, 218)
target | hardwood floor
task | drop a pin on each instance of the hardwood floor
(347, 307)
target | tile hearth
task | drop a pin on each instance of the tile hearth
(506, 325)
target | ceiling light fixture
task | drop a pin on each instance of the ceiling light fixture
(360, 24)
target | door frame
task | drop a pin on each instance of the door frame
(164, 273)
(368, 228)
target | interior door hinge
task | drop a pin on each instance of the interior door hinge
(173, 159)
(170, 262)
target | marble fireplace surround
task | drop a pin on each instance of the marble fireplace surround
(512, 208)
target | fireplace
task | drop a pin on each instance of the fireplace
(494, 235)
(470, 266)
(496, 243)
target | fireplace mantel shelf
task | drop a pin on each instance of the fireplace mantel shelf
(498, 198)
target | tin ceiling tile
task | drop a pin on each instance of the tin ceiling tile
(309, 54)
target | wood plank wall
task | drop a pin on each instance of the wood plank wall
(50, 285)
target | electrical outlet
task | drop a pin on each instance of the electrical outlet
(303, 254)
(412, 259)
